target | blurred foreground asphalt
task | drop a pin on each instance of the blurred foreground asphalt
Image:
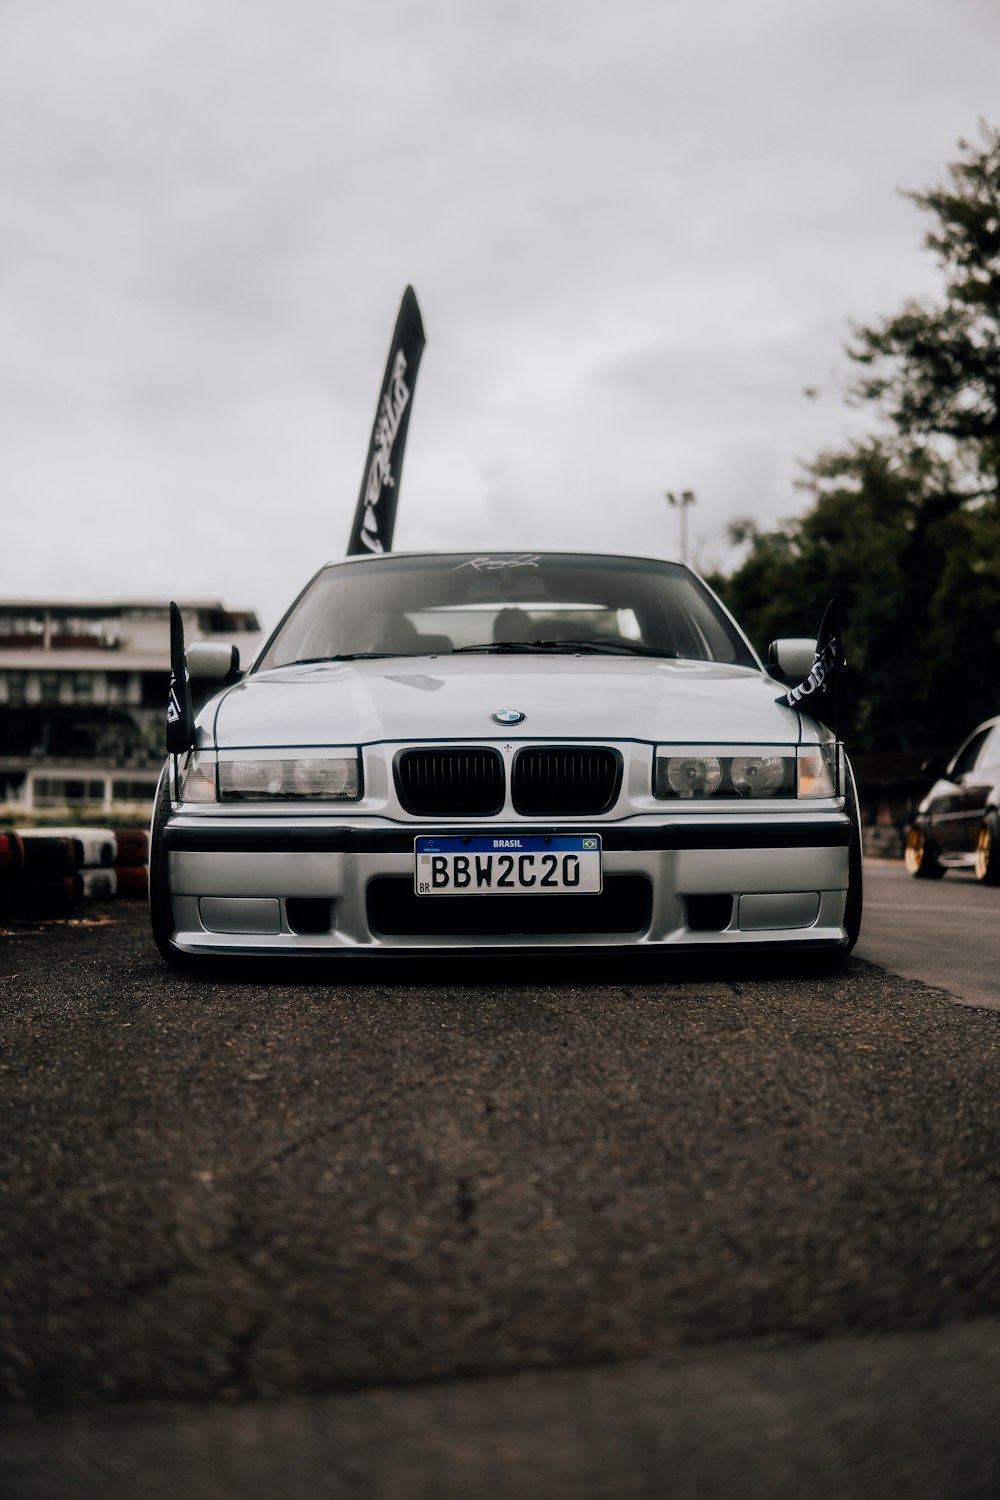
(586, 1228)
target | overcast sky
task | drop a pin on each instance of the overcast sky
(637, 232)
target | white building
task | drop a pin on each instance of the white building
(83, 694)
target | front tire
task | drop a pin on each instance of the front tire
(920, 855)
(830, 960)
(161, 913)
(988, 850)
(854, 904)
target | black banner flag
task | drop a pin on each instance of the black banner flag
(180, 715)
(826, 692)
(375, 516)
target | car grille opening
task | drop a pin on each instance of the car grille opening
(395, 910)
(566, 780)
(450, 782)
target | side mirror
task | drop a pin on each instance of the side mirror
(935, 768)
(213, 661)
(791, 659)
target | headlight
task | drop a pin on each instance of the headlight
(701, 773)
(312, 778)
(691, 776)
(758, 775)
(810, 772)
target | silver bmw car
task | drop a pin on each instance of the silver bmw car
(446, 752)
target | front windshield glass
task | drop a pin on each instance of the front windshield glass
(396, 605)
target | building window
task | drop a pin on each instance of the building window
(67, 791)
(23, 630)
(12, 786)
(123, 687)
(49, 686)
(16, 684)
(123, 790)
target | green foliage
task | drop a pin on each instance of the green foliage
(906, 526)
(933, 369)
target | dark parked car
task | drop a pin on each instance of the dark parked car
(957, 826)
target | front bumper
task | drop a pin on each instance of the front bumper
(311, 886)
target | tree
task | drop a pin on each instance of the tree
(906, 525)
(933, 369)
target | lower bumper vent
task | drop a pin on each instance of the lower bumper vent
(308, 914)
(709, 913)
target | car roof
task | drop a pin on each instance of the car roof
(365, 557)
(986, 724)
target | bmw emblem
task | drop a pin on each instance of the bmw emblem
(508, 716)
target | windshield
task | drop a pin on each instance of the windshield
(396, 605)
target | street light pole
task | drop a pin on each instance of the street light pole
(682, 501)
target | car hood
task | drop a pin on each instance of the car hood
(403, 699)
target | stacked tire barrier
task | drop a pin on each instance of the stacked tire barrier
(132, 862)
(49, 872)
(11, 867)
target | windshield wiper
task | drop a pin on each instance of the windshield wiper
(592, 647)
(311, 661)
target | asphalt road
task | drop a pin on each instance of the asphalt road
(943, 932)
(620, 1229)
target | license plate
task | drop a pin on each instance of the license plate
(518, 865)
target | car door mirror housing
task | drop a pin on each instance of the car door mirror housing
(213, 661)
(791, 658)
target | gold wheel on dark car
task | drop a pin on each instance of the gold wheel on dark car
(988, 850)
(919, 855)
